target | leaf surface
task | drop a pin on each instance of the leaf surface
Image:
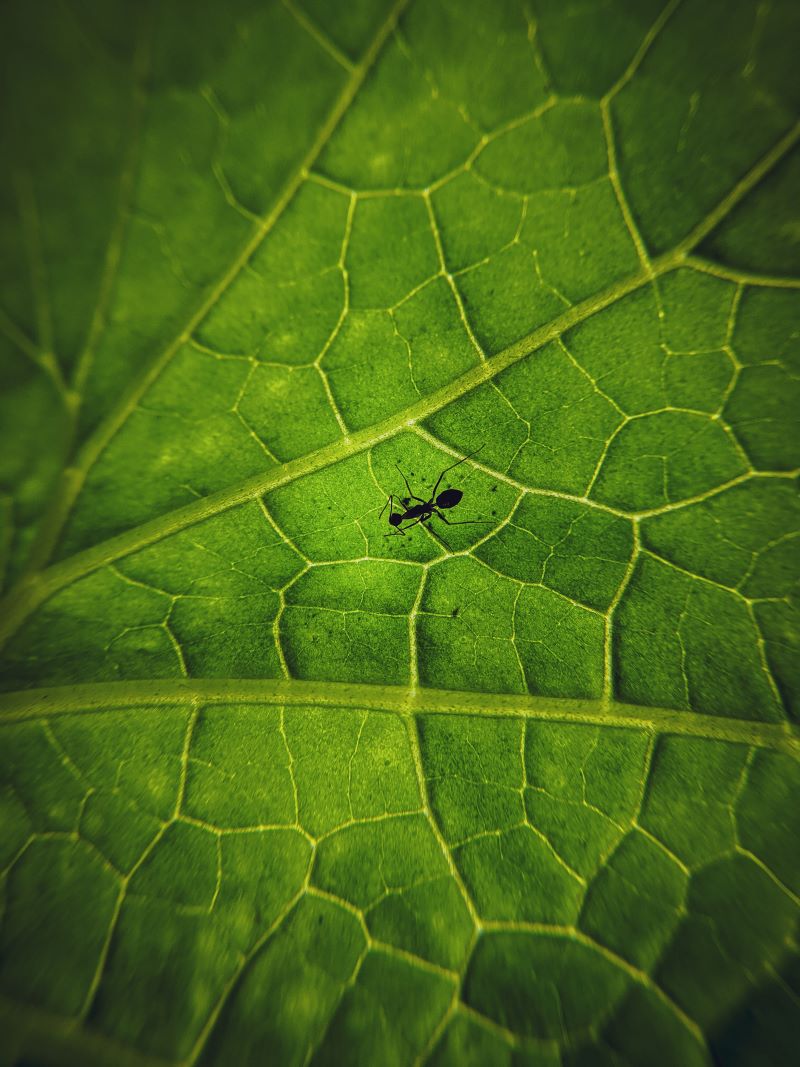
(277, 786)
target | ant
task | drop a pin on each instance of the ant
(423, 510)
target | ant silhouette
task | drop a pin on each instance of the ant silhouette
(424, 510)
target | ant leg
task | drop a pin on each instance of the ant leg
(438, 537)
(464, 460)
(399, 530)
(390, 502)
(462, 522)
(414, 523)
(408, 487)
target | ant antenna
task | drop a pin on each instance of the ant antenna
(469, 455)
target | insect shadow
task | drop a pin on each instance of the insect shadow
(424, 510)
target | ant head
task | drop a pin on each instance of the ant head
(395, 518)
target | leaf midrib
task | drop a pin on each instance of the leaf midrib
(152, 694)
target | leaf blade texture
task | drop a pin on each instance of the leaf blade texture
(278, 787)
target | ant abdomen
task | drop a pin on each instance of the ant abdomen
(449, 498)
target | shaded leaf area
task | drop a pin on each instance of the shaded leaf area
(351, 886)
(253, 259)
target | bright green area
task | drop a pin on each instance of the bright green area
(575, 550)
(696, 642)
(277, 262)
(298, 886)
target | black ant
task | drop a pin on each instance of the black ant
(423, 510)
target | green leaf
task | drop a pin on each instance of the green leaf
(278, 787)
